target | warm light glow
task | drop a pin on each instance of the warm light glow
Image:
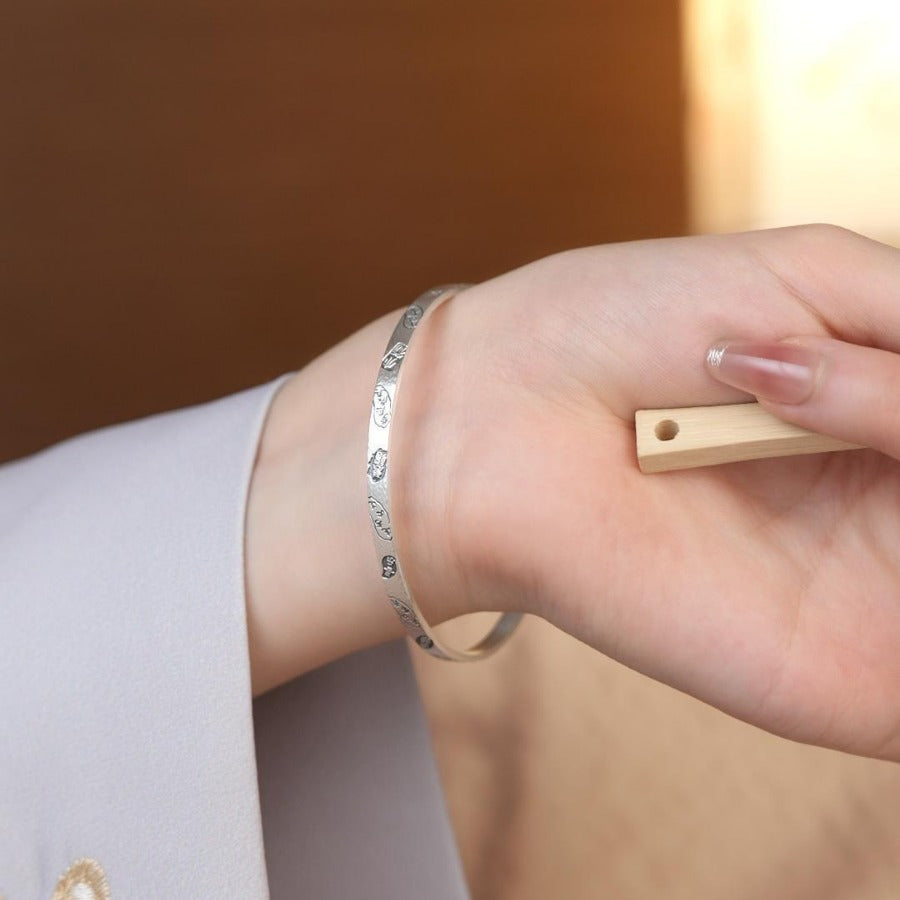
(794, 113)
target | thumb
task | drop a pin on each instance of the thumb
(844, 390)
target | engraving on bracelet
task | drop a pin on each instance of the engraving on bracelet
(381, 407)
(406, 614)
(388, 566)
(394, 356)
(381, 521)
(413, 316)
(377, 464)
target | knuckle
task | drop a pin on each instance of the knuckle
(885, 424)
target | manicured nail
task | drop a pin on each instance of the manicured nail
(784, 373)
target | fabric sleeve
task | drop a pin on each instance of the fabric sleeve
(126, 731)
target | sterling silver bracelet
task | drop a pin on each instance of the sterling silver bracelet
(378, 467)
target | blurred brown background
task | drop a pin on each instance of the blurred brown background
(199, 196)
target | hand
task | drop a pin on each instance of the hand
(770, 589)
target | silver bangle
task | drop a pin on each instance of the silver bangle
(378, 468)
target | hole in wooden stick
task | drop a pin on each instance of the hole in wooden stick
(666, 429)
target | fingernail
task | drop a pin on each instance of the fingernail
(784, 373)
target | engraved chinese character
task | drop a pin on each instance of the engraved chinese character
(377, 465)
(381, 406)
(413, 316)
(405, 613)
(381, 521)
(392, 358)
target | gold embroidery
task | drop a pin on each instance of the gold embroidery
(83, 880)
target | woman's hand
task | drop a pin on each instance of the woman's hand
(770, 589)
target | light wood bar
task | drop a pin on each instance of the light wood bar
(694, 436)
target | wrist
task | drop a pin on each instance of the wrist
(314, 593)
(314, 589)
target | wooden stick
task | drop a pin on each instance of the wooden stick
(709, 435)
